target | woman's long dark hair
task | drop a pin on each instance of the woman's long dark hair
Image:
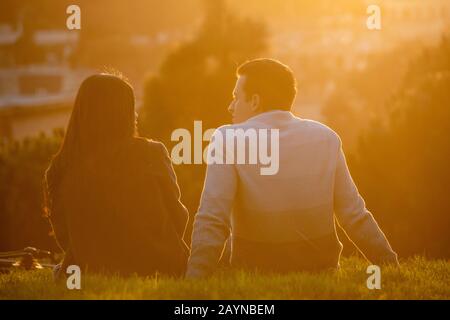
(103, 116)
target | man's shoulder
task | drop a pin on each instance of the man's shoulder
(236, 126)
(232, 130)
(312, 127)
(318, 128)
(316, 125)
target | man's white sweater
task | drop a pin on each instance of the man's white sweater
(284, 221)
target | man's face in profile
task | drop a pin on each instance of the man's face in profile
(242, 107)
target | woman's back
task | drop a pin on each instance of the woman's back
(122, 211)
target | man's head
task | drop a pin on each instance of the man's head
(262, 85)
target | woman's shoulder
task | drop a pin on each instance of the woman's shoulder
(148, 147)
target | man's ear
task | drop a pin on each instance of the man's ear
(256, 100)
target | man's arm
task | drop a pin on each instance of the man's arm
(212, 222)
(356, 220)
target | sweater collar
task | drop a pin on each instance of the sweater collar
(272, 117)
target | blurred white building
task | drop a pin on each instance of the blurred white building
(37, 87)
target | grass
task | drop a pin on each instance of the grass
(417, 278)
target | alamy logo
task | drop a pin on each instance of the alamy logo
(73, 21)
(228, 146)
(374, 280)
(373, 21)
(74, 278)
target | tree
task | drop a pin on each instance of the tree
(402, 167)
(195, 83)
(361, 95)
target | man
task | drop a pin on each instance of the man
(285, 221)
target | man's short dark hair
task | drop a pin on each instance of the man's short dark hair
(272, 80)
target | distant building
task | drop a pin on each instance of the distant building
(36, 87)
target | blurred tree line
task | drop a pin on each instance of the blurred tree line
(22, 167)
(196, 81)
(362, 95)
(401, 164)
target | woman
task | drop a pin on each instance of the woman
(112, 197)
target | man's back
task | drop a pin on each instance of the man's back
(288, 217)
(284, 221)
(296, 203)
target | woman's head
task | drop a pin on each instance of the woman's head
(103, 113)
(102, 117)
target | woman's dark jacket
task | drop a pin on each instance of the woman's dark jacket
(121, 212)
